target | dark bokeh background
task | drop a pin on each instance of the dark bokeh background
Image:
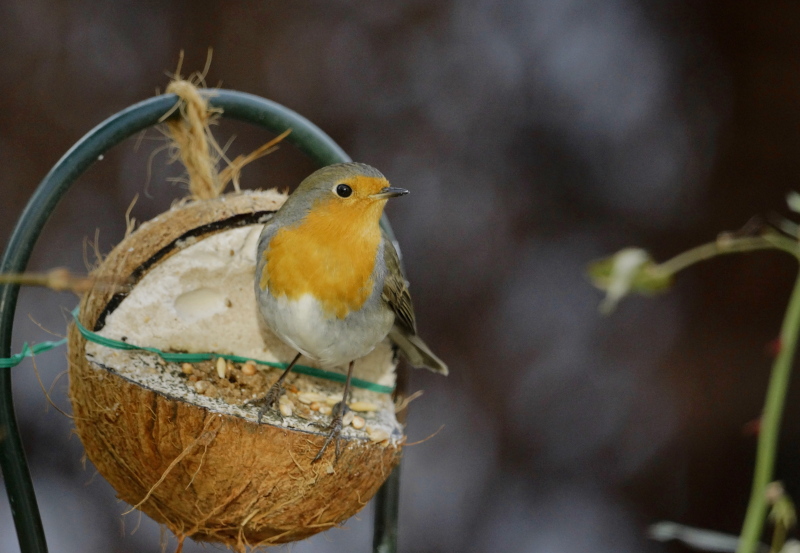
(535, 135)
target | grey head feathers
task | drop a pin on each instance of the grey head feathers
(317, 185)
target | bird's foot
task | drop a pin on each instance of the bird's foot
(335, 429)
(269, 401)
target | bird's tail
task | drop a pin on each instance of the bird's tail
(417, 352)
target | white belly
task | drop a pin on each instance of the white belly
(303, 325)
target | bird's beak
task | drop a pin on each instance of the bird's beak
(389, 192)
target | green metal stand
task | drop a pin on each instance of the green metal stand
(306, 136)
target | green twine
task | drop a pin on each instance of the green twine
(27, 351)
(170, 357)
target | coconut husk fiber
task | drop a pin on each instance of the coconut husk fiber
(205, 471)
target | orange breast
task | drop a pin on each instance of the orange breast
(330, 255)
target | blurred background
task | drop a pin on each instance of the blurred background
(535, 136)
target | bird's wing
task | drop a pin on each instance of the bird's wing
(395, 289)
(404, 332)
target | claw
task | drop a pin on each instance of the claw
(275, 391)
(335, 431)
(269, 401)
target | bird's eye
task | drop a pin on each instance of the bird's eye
(343, 191)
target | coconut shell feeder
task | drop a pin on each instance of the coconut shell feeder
(164, 370)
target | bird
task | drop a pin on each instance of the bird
(328, 279)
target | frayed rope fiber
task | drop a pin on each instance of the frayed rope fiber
(27, 351)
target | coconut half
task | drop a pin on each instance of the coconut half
(181, 441)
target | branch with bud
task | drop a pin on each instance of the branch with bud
(633, 270)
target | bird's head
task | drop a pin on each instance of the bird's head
(353, 191)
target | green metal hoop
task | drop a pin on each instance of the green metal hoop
(306, 136)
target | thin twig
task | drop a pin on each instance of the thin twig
(728, 244)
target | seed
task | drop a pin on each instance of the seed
(310, 397)
(285, 406)
(348, 418)
(249, 369)
(221, 367)
(187, 368)
(229, 367)
(363, 406)
(201, 386)
(358, 422)
(332, 400)
(377, 434)
(313, 405)
(212, 391)
(325, 409)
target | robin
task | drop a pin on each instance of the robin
(328, 280)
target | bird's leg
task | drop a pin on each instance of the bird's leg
(338, 412)
(269, 400)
